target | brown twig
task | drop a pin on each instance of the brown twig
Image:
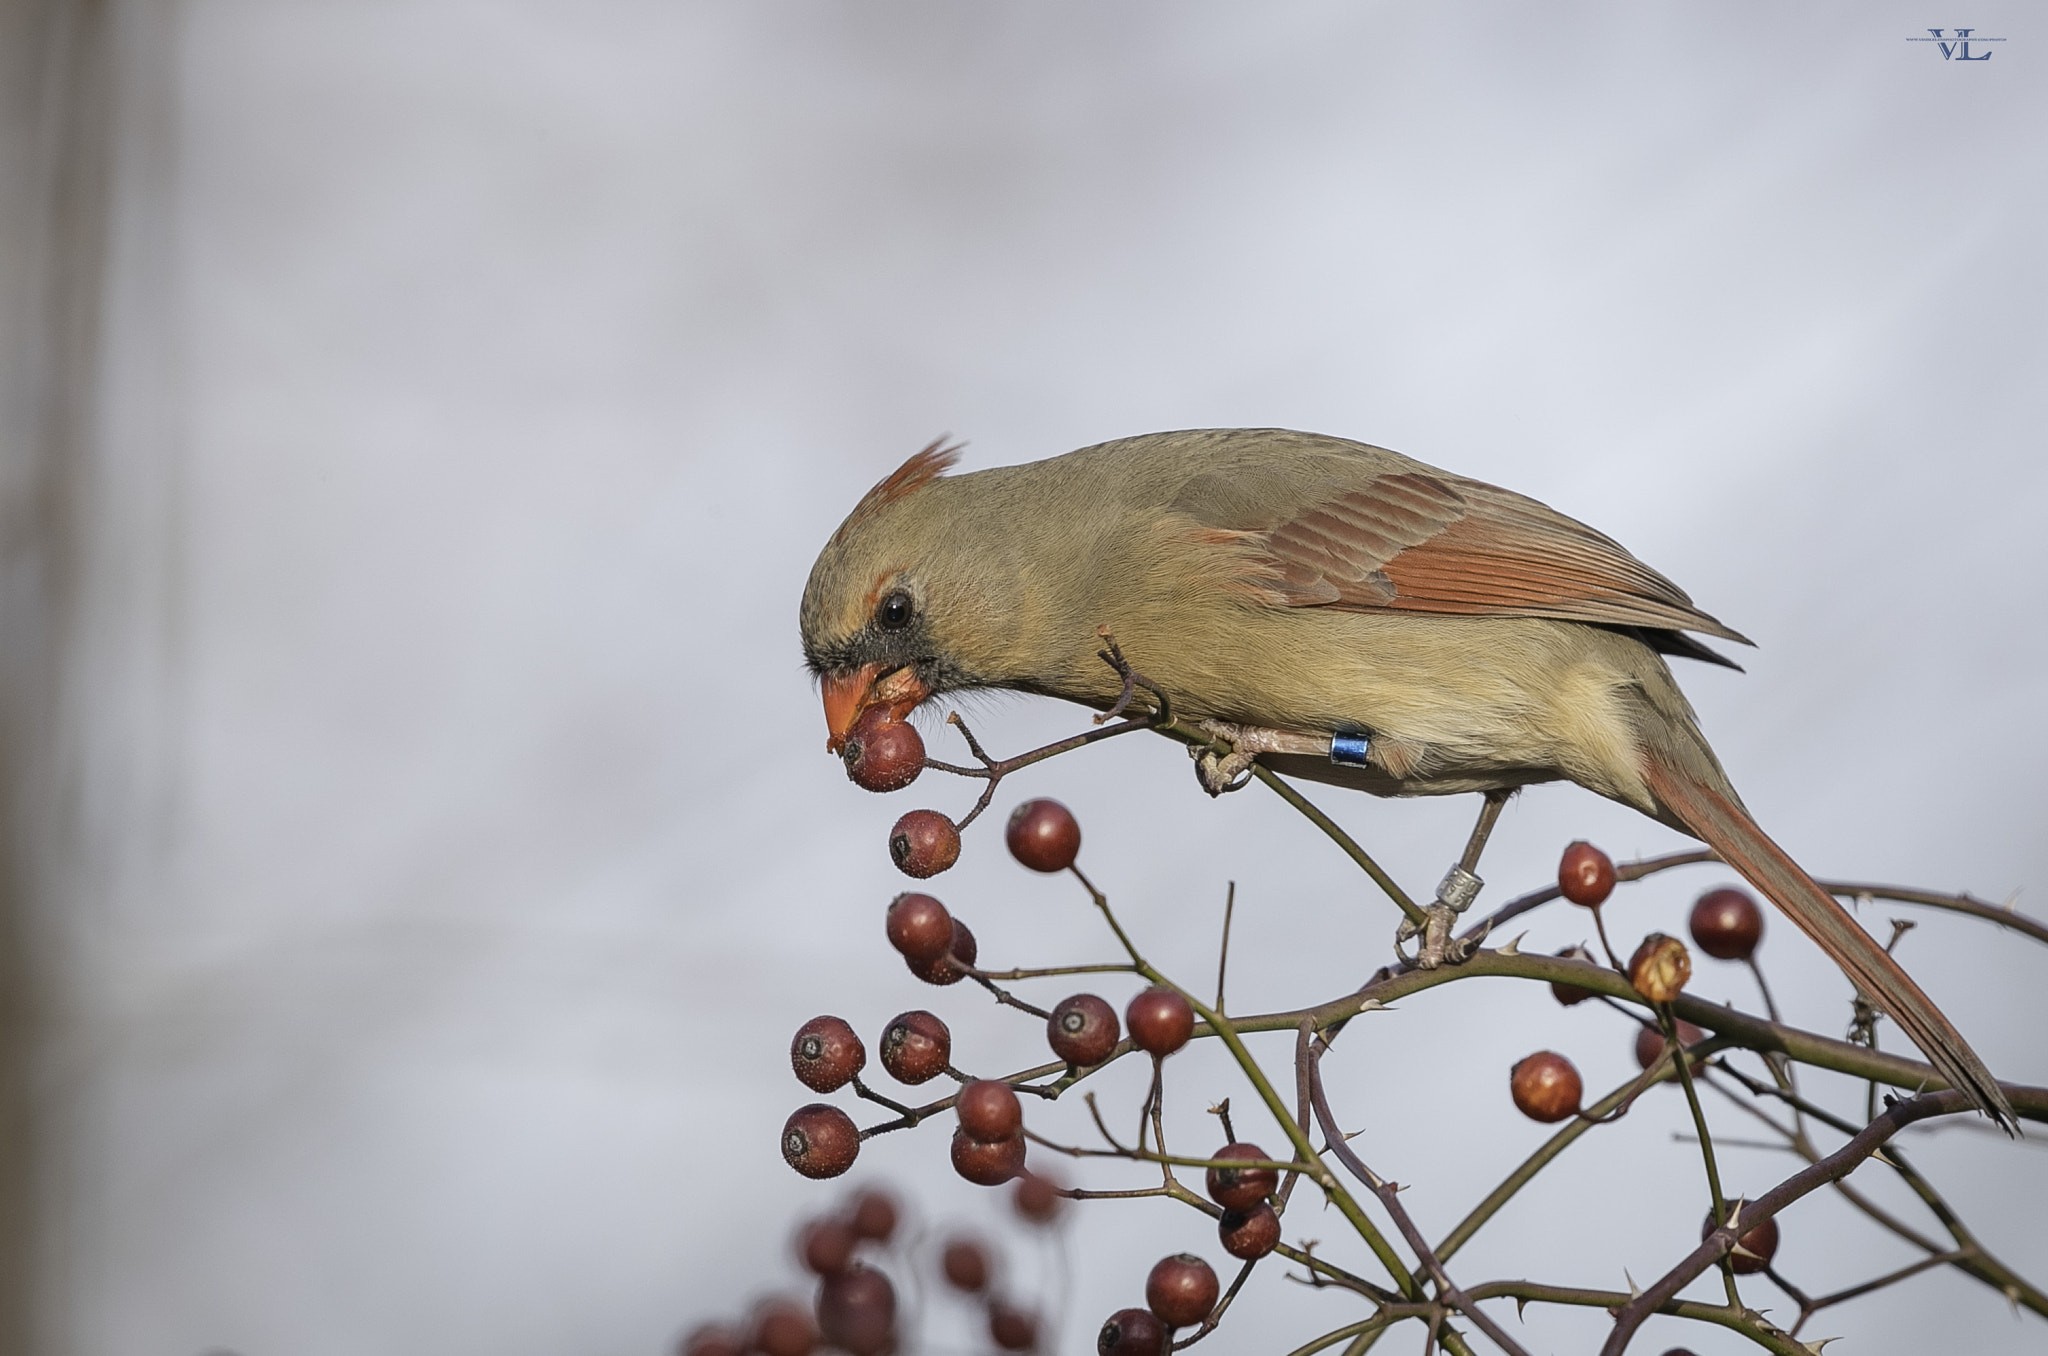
(1390, 1200)
(1836, 1165)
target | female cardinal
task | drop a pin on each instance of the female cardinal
(1334, 609)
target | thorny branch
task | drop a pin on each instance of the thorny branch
(1781, 1045)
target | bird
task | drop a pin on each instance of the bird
(1330, 608)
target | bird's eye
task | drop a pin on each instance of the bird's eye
(893, 614)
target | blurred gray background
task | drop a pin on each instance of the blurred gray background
(420, 419)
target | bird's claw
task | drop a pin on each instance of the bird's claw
(1439, 947)
(1219, 773)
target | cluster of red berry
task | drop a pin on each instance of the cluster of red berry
(1725, 923)
(855, 1309)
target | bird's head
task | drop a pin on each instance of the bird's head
(890, 599)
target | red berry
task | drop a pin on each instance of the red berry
(1160, 1021)
(1011, 1328)
(820, 1140)
(924, 843)
(826, 1245)
(1727, 924)
(1082, 1030)
(714, 1339)
(916, 1047)
(1568, 994)
(989, 1111)
(784, 1328)
(1131, 1332)
(1182, 1289)
(987, 1164)
(1042, 834)
(965, 1263)
(1546, 1087)
(882, 753)
(1761, 1240)
(857, 1310)
(1650, 1042)
(1241, 1188)
(1585, 874)
(1038, 1199)
(942, 969)
(1249, 1234)
(873, 1215)
(919, 927)
(826, 1054)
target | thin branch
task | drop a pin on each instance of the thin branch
(1223, 951)
(1390, 1200)
(1836, 1165)
(2004, 916)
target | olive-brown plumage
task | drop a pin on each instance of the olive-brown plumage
(1308, 585)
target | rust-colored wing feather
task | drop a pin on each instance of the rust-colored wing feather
(1415, 541)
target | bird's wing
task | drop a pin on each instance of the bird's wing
(1406, 538)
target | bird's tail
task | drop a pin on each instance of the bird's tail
(1714, 816)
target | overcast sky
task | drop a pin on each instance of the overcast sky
(458, 851)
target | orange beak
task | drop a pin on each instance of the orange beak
(847, 695)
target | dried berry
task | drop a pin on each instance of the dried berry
(943, 969)
(1585, 875)
(714, 1339)
(820, 1140)
(916, 1047)
(1160, 1021)
(1249, 1234)
(1546, 1087)
(924, 843)
(784, 1328)
(1241, 1188)
(987, 1164)
(1659, 969)
(965, 1263)
(1727, 924)
(857, 1310)
(881, 752)
(873, 1215)
(1131, 1332)
(1650, 1042)
(1182, 1289)
(989, 1111)
(1043, 835)
(1011, 1328)
(1755, 1248)
(1082, 1030)
(919, 927)
(826, 1245)
(826, 1054)
(1038, 1199)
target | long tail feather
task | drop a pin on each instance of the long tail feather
(1730, 831)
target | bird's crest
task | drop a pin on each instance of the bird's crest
(921, 470)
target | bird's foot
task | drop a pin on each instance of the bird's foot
(1221, 772)
(1439, 944)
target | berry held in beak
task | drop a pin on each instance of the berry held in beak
(847, 695)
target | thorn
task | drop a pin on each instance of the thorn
(2012, 1297)
(1817, 1343)
(1634, 1292)
(1521, 1307)
(1880, 1155)
(1373, 1005)
(1221, 1108)
(1354, 1135)
(1514, 948)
